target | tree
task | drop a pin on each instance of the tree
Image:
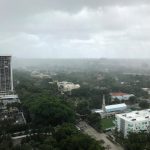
(69, 138)
(65, 131)
(80, 142)
(144, 104)
(22, 147)
(5, 142)
(132, 100)
(83, 108)
(94, 120)
(51, 111)
(137, 141)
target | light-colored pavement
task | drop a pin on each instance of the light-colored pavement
(98, 136)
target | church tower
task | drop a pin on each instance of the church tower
(103, 104)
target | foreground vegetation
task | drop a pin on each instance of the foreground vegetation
(65, 137)
(50, 119)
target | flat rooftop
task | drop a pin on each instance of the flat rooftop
(13, 96)
(97, 110)
(115, 106)
(142, 115)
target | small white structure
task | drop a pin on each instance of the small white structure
(146, 90)
(121, 96)
(135, 121)
(67, 86)
(99, 111)
(39, 75)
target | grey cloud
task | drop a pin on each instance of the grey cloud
(75, 28)
(13, 9)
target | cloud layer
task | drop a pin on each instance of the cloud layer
(75, 29)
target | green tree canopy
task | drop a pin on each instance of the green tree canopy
(144, 104)
(51, 111)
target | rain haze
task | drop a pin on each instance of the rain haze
(75, 29)
(74, 74)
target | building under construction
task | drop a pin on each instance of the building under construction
(6, 77)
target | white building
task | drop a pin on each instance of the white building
(121, 96)
(67, 86)
(115, 108)
(135, 121)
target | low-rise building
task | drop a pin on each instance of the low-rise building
(39, 75)
(115, 108)
(120, 96)
(67, 86)
(135, 121)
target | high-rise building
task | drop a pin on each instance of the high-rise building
(7, 95)
(6, 77)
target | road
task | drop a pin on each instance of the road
(98, 136)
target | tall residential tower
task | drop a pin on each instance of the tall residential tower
(6, 77)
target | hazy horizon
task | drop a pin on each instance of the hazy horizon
(75, 29)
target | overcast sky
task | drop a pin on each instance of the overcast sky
(75, 28)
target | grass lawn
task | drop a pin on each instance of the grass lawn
(107, 123)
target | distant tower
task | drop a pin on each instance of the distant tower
(6, 77)
(103, 104)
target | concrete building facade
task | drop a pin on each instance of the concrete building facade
(67, 86)
(6, 81)
(7, 96)
(6, 76)
(135, 121)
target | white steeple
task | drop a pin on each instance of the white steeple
(103, 104)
